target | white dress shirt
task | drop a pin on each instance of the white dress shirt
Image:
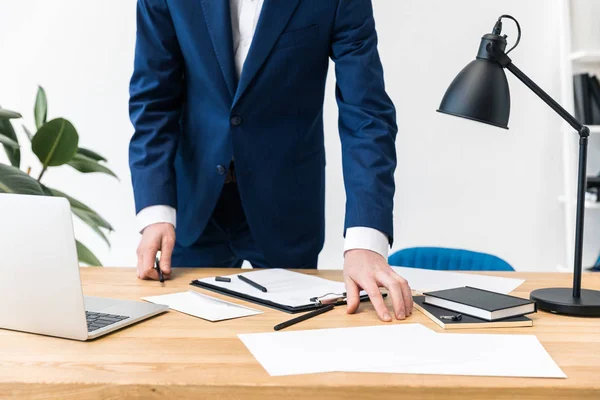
(244, 18)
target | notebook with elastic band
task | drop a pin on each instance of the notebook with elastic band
(448, 319)
(479, 303)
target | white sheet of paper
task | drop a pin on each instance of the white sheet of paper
(425, 280)
(202, 306)
(400, 348)
(284, 287)
(328, 350)
(473, 355)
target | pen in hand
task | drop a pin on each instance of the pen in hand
(161, 277)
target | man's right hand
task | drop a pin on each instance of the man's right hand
(154, 238)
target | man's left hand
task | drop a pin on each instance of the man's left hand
(368, 271)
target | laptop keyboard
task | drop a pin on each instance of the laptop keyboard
(97, 321)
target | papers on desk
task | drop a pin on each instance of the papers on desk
(201, 306)
(473, 355)
(400, 348)
(426, 280)
(329, 350)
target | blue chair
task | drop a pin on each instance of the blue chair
(439, 258)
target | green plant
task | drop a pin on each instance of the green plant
(55, 143)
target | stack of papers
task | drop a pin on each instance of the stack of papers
(426, 280)
(400, 348)
(201, 306)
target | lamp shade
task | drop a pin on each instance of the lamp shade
(479, 92)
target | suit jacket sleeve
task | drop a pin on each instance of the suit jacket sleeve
(155, 106)
(367, 119)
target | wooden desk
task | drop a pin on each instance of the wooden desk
(180, 357)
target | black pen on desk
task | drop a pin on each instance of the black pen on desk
(161, 277)
(304, 317)
(252, 283)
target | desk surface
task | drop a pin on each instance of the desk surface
(178, 356)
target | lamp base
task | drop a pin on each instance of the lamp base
(561, 301)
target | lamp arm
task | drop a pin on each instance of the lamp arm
(571, 120)
(504, 60)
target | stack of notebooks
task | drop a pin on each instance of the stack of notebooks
(468, 307)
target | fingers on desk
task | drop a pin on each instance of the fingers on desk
(352, 295)
(376, 298)
(395, 291)
(406, 293)
(166, 251)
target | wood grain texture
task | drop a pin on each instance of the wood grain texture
(181, 357)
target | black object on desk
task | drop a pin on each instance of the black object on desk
(480, 93)
(455, 318)
(161, 277)
(304, 317)
(480, 303)
(252, 283)
(466, 321)
(222, 279)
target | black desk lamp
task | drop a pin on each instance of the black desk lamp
(480, 93)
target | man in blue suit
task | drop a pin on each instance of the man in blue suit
(227, 105)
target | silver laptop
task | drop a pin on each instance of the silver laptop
(40, 286)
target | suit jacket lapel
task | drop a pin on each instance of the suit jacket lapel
(218, 21)
(274, 17)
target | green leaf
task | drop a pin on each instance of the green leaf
(84, 213)
(28, 133)
(6, 114)
(91, 223)
(13, 180)
(81, 208)
(90, 154)
(8, 142)
(41, 108)
(87, 165)
(55, 143)
(86, 256)
(13, 153)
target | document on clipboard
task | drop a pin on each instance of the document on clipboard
(286, 290)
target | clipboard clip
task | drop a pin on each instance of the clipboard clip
(329, 298)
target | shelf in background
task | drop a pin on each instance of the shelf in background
(586, 57)
(588, 204)
(562, 268)
(594, 129)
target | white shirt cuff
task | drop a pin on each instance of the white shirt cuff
(360, 237)
(156, 215)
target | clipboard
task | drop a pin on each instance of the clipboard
(314, 305)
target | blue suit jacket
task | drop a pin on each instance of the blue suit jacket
(191, 116)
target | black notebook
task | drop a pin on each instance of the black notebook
(583, 105)
(594, 89)
(480, 303)
(466, 321)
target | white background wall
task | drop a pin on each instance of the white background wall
(460, 184)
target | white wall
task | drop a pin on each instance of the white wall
(459, 183)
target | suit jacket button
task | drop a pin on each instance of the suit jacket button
(221, 170)
(236, 120)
